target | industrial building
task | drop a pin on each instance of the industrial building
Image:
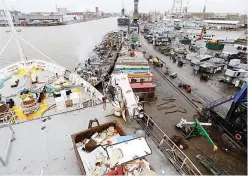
(221, 23)
(61, 16)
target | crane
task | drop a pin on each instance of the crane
(133, 28)
(136, 12)
(195, 128)
(235, 122)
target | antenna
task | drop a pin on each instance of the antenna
(204, 9)
(177, 8)
(185, 9)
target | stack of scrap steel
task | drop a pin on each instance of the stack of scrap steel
(179, 142)
(107, 150)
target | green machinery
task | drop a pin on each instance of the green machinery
(192, 129)
(165, 51)
(185, 41)
(215, 45)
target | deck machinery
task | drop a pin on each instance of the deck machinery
(235, 122)
(133, 28)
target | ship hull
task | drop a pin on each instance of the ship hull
(123, 21)
(214, 46)
(185, 41)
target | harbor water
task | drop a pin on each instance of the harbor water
(67, 45)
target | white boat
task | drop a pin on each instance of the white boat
(210, 37)
(43, 103)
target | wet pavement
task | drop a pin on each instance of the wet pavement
(205, 92)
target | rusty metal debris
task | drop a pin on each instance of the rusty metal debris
(179, 142)
(177, 110)
(166, 107)
(168, 101)
(168, 98)
(208, 164)
(197, 101)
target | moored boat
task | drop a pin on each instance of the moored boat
(101, 62)
(123, 21)
(134, 64)
(185, 41)
(215, 45)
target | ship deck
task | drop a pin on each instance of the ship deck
(51, 149)
(44, 145)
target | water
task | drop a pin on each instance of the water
(67, 45)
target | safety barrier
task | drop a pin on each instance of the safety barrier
(175, 155)
(4, 159)
(54, 68)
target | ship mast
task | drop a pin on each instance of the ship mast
(123, 10)
(12, 28)
(204, 10)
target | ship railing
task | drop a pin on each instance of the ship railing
(9, 70)
(87, 87)
(4, 159)
(54, 68)
(175, 155)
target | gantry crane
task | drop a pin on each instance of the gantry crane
(133, 28)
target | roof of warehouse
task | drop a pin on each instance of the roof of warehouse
(221, 21)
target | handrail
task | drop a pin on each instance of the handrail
(169, 148)
(4, 159)
(9, 70)
(220, 101)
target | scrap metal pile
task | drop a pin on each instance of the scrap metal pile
(109, 153)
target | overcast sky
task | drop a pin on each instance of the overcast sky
(221, 6)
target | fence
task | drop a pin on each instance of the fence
(180, 161)
(3, 159)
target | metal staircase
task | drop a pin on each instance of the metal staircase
(219, 102)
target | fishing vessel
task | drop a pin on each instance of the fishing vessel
(212, 44)
(215, 45)
(185, 41)
(135, 65)
(102, 60)
(43, 103)
(124, 19)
